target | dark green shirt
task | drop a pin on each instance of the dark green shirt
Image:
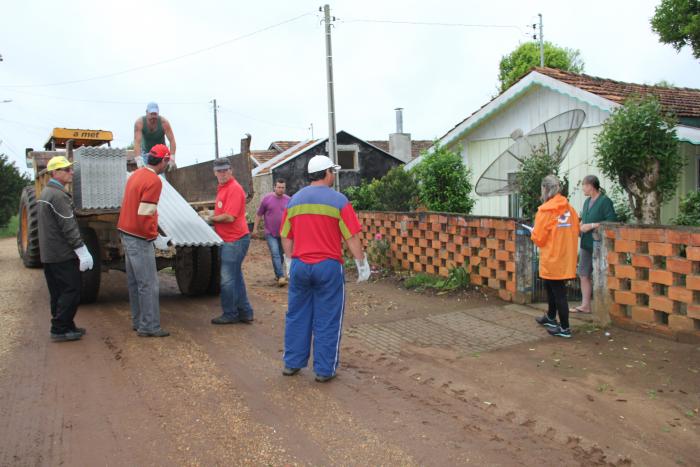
(601, 211)
(150, 139)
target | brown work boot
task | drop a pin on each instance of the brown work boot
(281, 281)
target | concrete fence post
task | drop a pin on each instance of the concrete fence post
(601, 301)
(524, 250)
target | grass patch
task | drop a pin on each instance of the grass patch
(11, 229)
(458, 278)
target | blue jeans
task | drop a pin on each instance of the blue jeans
(234, 298)
(316, 305)
(275, 246)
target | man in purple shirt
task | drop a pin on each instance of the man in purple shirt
(271, 210)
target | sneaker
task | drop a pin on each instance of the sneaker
(224, 320)
(246, 321)
(545, 321)
(158, 333)
(281, 281)
(82, 331)
(324, 379)
(66, 336)
(290, 371)
(560, 332)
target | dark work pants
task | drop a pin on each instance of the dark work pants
(556, 296)
(63, 280)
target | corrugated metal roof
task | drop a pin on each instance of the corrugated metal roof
(100, 177)
(180, 222)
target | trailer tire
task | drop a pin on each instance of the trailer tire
(215, 281)
(193, 269)
(28, 230)
(90, 279)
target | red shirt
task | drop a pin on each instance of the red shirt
(143, 186)
(230, 199)
(318, 219)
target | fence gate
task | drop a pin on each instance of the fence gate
(539, 293)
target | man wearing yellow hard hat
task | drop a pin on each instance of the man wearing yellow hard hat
(62, 250)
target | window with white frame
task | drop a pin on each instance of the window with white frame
(348, 156)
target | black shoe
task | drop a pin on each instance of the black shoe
(246, 321)
(82, 331)
(545, 321)
(324, 379)
(560, 332)
(290, 371)
(224, 320)
(66, 336)
(158, 333)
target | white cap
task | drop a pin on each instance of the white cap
(319, 163)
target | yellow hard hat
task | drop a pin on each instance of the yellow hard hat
(58, 162)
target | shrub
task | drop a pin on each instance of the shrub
(11, 184)
(529, 181)
(363, 196)
(689, 210)
(397, 191)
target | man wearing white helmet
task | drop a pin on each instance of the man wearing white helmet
(62, 250)
(314, 224)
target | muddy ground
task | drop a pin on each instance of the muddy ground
(214, 395)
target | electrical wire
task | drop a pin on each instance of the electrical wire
(161, 62)
(428, 23)
(255, 119)
(90, 101)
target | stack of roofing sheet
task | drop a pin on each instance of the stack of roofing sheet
(99, 178)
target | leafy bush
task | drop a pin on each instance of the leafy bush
(11, 184)
(396, 191)
(529, 180)
(514, 65)
(363, 196)
(444, 182)
(689, 210)
(458, 278)
(621, 203)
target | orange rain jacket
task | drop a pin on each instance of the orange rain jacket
(556, 232)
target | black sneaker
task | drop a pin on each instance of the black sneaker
(290, 371)
(158, 333)
(82, 331)
(224, 320)
(246, 321)
(66, 336)
(545, 321)
(324, 379)
(560, 332)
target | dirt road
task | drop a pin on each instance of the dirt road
(424, 381)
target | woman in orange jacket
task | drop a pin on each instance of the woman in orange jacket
(556, 233)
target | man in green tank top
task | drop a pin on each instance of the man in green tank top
(152, 129)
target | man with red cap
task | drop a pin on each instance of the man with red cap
(138, 225)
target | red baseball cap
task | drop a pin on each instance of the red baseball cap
(160, 151)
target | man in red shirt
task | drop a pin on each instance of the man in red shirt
(230, 223)
(138, 225)
(314, 224)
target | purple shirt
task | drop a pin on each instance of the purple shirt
(271, 209)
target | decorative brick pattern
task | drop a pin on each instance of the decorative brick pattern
(653, 279)
(434, 243)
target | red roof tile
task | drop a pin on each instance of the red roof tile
(282, 146)
(301, 148)
(263, 156)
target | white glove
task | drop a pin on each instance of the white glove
(363, 269)
(85, 258)
(161, 243)
(139, 160)
(288, 264)
(171, 165)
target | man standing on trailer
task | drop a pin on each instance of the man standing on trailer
(138, 225)
(150, 130)
(62, 250)
(315, 222)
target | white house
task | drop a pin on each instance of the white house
(544, 93)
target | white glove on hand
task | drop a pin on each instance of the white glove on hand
(288, 264)
(139, 160)
(171, 165)
(85, 258)
(161, 243)
(363, 269)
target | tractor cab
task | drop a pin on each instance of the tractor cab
(59, 141)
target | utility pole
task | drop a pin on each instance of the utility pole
(332, 145)
(311, 127)
(541, 42)
(216, 132)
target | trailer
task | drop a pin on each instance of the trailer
(100, 174)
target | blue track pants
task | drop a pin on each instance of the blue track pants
(316, 305)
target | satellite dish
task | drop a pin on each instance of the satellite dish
(555, 137)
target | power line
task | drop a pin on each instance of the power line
(428, 23)
(162, 62)
(91, 101)
(260, 120)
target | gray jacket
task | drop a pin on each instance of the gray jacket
(59, 233)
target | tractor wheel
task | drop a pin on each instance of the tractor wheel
(90, 279)
(193, 269)
(215, 281)
(28, 231)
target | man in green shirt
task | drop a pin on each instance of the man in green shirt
(152, 129)
(597, 208)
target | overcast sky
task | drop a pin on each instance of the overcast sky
(272, 84)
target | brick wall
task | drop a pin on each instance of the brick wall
(434, 243)
(652, 279)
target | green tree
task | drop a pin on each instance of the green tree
(363, 197)
(11, 183)
(529, 180)
(527, 55)
(689, 210)
(638, 149)
(444, 182)
(677, 22)
(397, 190)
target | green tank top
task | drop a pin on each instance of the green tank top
(150, 139)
